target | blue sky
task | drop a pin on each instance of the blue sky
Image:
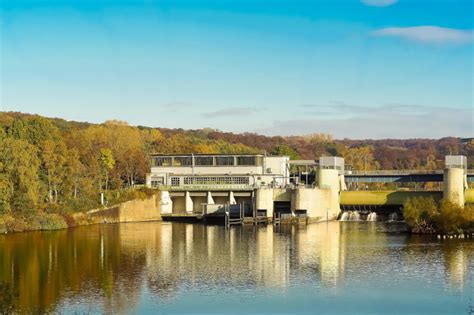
(352, 68)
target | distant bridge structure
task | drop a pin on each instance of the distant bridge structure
(399, 176)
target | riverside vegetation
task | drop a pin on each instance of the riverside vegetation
(51, 168)
(425, 216)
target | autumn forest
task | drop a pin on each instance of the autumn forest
(50, 168)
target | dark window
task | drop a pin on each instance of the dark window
(247, 160)
(224, 160)
(161, 161)
(204, 161)
(182, 161)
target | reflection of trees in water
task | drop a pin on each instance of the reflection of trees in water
(6, 298)
(107, 266)
(45, 268)
(424, 253)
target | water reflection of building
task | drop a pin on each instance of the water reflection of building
(110, 267)
(247, 256)
(271, 259)
(457, 265)
(319, 248)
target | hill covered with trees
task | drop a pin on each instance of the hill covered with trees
(51, 167)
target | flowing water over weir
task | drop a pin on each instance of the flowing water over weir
(372, 216)
(344, 216)
(350, 216)
(393, 216)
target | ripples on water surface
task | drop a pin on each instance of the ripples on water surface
(335, 268)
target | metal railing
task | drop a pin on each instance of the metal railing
(397, 172)
(205, 187)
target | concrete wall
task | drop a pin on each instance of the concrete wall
(317, 202)
(264, 200)
(131, 211)
(329, 178)
(140, 210)
(454, 185)
(282, 194)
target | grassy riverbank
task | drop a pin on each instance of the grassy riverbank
(425, 216)
(66, 215)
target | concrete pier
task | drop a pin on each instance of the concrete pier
(319, 204)
(454, 185)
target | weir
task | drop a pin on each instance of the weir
(201, 187)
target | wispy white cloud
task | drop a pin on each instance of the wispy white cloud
(389, 121)
(232, 111)
(379, 3)
(428, 34)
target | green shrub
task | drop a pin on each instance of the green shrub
(14, 224)
(3, 227)
(52, 222)
(450, 218)
(423, 215)
(33, 223)
(468, 218)
(419, 210)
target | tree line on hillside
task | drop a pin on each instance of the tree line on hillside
(50, 165)
(54, 166)
(372, 154)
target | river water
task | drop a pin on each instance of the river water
(162, 267)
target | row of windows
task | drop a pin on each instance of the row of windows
(211, 180)
(204, 160)
(169, 161)
(207, 161)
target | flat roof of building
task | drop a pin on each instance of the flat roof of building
(304, 162)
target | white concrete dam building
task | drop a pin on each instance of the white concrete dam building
(198, 184)
(232, 171)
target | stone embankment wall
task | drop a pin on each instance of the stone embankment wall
(137, 210)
